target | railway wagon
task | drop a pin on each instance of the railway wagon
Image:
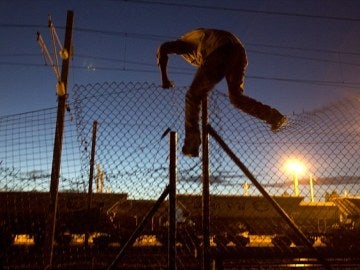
(233, 218)
(126, 215)
(345, 234)
(237, 218)
(314, 219)
(26, 212)
(114, 217)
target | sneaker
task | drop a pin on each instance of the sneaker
(276, 125)
(190, 151)
(191, 146)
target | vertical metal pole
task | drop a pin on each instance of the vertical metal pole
(311, 188)
(92, 163)
(55, 171)
(172, 203)
(206, 184)
(91, 173)
(296, 184)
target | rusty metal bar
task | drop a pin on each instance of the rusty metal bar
(139, 228)
(91, 174)
(92, 163)
(206, 186)
(172, 203)
(275, 205)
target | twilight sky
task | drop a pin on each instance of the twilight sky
(302, 55)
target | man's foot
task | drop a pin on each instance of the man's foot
(191, 146)
(278, 123)
(190, 151)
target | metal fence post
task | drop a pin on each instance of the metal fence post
(172, 203)
(91, 174)
(92, 163)
(206, 184)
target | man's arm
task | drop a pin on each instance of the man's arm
(170, 47)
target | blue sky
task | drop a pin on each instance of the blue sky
(302, 54)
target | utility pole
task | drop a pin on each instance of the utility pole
(55, 171)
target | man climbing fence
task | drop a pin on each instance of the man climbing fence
(217, 54)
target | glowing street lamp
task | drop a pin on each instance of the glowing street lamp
(296, 168)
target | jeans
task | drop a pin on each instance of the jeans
(228, 61)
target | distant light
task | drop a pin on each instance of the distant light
(64, 54)
(60, 89)
(295, 166)
(91, 67)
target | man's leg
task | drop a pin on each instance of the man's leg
(205, 79)
(235, 81)
(259, 110)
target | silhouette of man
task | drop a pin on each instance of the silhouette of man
(217, 54)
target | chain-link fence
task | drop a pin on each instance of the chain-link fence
(310, 168)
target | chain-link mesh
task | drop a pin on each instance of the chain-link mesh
(310, 168)
(26, 142)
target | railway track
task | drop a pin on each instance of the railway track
(155, 257)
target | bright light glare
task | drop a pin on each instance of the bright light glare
(295, 166)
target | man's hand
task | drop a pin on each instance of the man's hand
(162, 60)
(166, 84)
